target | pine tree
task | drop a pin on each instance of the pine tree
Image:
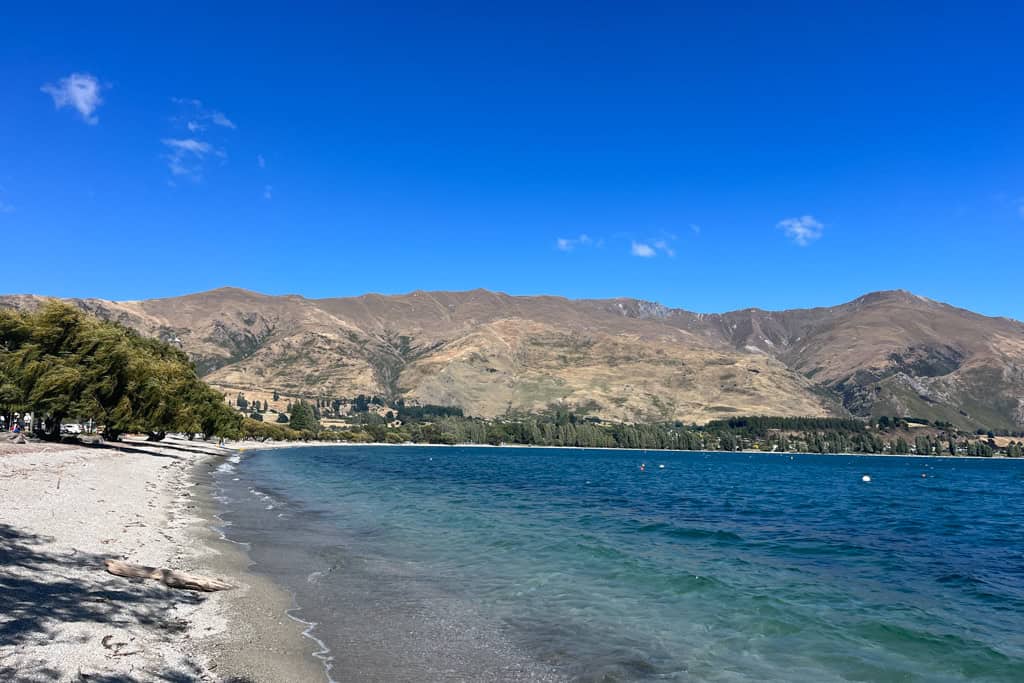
(303, 419)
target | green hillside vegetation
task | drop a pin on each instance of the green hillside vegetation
(58, 363)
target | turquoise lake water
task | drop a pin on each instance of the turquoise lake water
(439, 563)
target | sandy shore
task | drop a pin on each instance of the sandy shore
(63, 510)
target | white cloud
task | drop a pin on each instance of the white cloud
(643, 250)
(664, 246)
(268, 192)
(570, 243)
(78, 91)
(261, 161)
(802, 230)
(185, 155)
(220, 120)
(695, 228)
(188, 153)
(654, 246)
(197, 147)
(197, 116)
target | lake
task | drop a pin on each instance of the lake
(449, 563)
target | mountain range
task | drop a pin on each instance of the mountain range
(885, 353)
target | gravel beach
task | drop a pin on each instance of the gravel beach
(66, 509)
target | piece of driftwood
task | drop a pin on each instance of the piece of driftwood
(168, 577)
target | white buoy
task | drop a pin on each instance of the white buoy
(865, 478)
(661, 467)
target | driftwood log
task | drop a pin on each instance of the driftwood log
(168, 577)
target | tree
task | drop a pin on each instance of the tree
(241, 402)
(58, 362)
(277, 396)
(302, 418)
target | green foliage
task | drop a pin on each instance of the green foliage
(58, 362)
(303, 419)
(427, 412)
(263, 431)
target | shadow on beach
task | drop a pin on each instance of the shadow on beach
(40, 590)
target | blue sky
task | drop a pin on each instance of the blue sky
(707, 157)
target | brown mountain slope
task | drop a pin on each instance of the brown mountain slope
(885, 353)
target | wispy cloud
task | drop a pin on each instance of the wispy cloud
(268, 193)
(570, 243)
(220, 120)
(802, 230)
(642, 250)
(664, 247)
(654, 246)
(185, 156)
(5, 207)
(261, 161)
(81, 92)
(197, 117)
(694, 228)
(188, 151)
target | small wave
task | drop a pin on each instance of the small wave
(687, 532)
(324, 653)
(713, 534)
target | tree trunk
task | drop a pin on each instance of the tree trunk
(49, 428)
(168, 577)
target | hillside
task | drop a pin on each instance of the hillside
(886, 353)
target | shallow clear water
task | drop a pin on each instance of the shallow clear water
(429, 563)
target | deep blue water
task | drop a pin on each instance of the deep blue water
(432, 563)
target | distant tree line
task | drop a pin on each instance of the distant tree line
(564, 428)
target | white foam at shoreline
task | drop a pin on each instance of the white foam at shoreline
(324, 653)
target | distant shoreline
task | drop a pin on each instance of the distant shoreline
(274, 445)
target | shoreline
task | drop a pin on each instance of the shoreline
(262, 641)
(66, 508)
(258, 446)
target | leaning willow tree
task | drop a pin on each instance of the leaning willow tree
(57, 362)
